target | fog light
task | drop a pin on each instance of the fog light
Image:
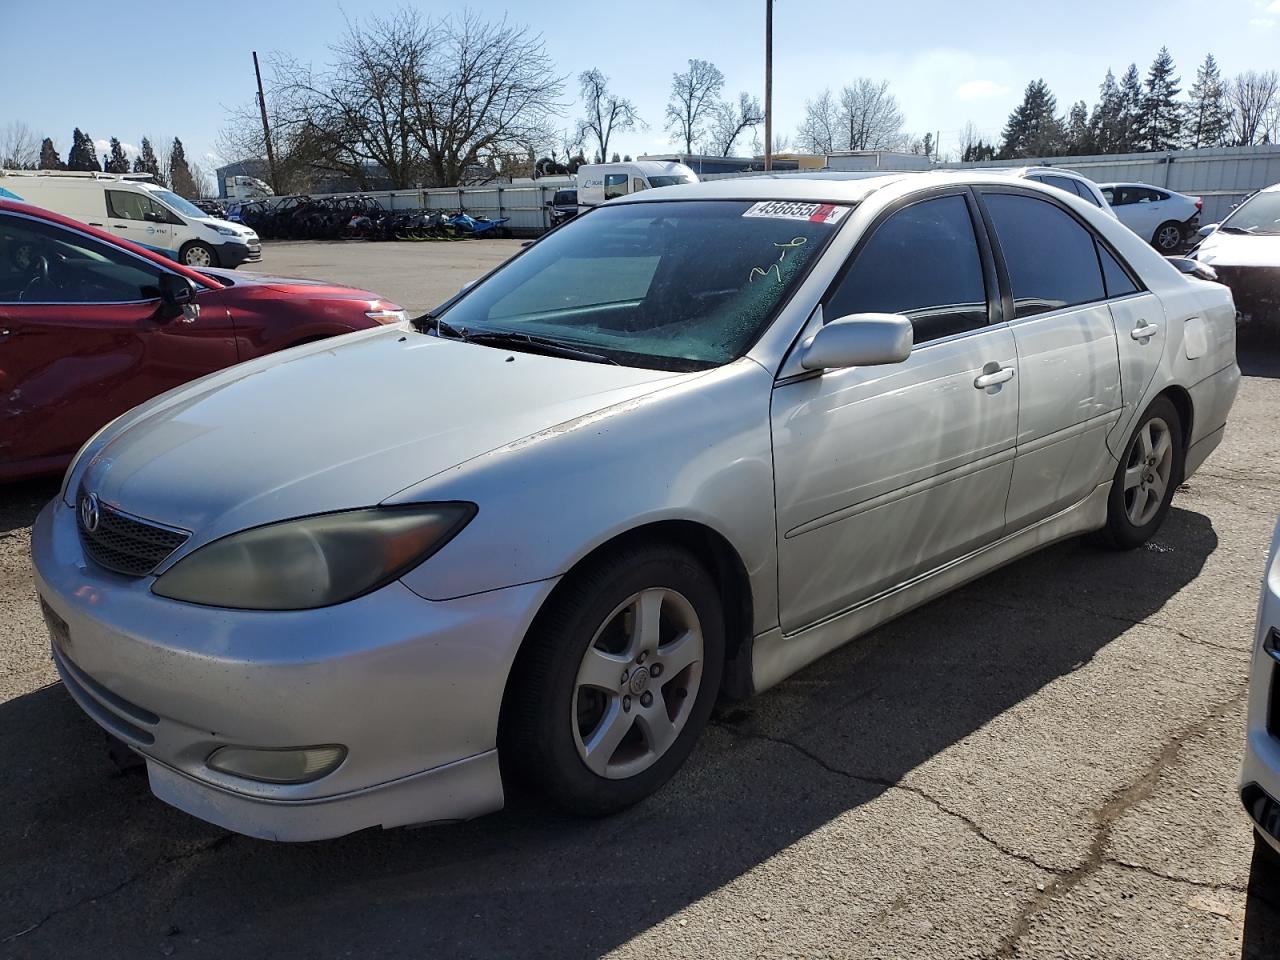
(293, 765)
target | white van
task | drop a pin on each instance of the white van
(131, 206)
(598, 182)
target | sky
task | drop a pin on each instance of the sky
(947, 62)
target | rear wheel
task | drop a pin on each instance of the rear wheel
(1168, 237)
(197, 254)
(616, 681)
(1148, 473)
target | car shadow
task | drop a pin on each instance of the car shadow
(1257, 351)
(1261, 939)
(23, 500)
(96, 866)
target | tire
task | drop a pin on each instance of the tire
(573, 729)
(1168, 237)
(197, 254)
(1149, 468)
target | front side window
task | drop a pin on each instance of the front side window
(676, 285)
(43, 263)
(638, 184)
(922, 262)
(1051, 258)
(127, 205)
(615, 185)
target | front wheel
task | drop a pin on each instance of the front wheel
(1168, 237)
(197, 254)
(616, 681)
(1148, 473)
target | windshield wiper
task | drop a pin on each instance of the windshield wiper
(531, 344)
(429, 321)
(1231, 229)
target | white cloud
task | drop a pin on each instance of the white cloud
(1274, 6)
(984, 89)
(104, 146)
(1262, 23)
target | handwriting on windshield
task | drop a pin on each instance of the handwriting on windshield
(776, 267)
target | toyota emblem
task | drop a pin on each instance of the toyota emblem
(89, 513)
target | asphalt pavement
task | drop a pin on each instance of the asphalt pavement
(1041, 764)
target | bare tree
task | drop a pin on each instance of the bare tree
(695, 97)
(606, 112)
(19, 147)
(819, 130)
(869, 116)
(729, 121)
(409, 98)
(202, 182)
(1252, 96)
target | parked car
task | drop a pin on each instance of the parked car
(131, 207)
(1244, 250)
(91, 325)
(598, 182)
(682, 446)
(1260, 772)
(563, 206)
(1066, 180)
(1167, 220)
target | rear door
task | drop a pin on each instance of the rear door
(1070, 396)
(82, 338)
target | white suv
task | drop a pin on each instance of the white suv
(1163, 218)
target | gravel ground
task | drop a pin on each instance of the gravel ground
(1041, 764)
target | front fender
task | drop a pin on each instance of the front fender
(697, 452)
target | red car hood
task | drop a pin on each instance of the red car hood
(316, 289)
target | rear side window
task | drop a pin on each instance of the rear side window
(922, 262)
(1051, 259)
(1118, 282)
(615, 185)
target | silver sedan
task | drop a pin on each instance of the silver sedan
(675, 450)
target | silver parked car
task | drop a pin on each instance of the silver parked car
(1260, 771)
(682, 446)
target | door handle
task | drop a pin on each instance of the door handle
(118, 226)
(1144, 330)
(1003, 375)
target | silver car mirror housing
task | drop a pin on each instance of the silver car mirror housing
(1207, 229)
(859, 340)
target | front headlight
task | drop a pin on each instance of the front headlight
(315, 561)
(228, 232)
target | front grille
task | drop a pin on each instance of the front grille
(125, 544)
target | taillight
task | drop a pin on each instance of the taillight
(1199, 203)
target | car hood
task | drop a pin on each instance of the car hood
(339, 424)
(1239, 250)
(312, 289)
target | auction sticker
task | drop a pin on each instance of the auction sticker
(789, 210)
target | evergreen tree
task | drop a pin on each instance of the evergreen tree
(82, 155)
(180, 179)
(927, 146)
(1078, 135)
(146, 162)
(1208, 116)
(1034, 129)
(118, 162)
(49, 159)
(1161, 123)
(978, 152)
(1130, 133)
(1106, 124)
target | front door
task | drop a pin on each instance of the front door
(135, 216)
(1069, 398)
(82, 338)
(885, 472)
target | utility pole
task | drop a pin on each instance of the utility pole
(266, 128)
(768, 84)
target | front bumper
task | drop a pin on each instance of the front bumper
(1256, 291)
(411, 687)
(235, 252)
(1260, 772)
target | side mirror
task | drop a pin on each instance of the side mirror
(1193, 268)
(859, 340)
(1205, 231)
(177, 296)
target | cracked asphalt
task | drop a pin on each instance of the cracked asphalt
(1041, 764)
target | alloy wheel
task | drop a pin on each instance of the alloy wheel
(637, 683)
(1169, 238)
(1148, 471)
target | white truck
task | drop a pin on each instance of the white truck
(129, 205)
(598, 182)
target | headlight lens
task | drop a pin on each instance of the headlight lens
(388, 315)
(227, 231)
(315, 561)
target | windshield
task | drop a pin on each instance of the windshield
(183, 207)
(676, 285)
(670, 181)
(565, 197)
(1259, 214)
